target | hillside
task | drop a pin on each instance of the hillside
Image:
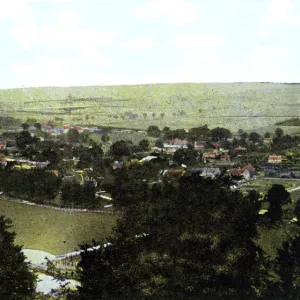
(234, 105)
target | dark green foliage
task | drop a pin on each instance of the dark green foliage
(254, 137)
(153, 131)
(25, 126)
(121, 148)
(73, 135)
(186, 156)
(220, 133)
(192, 240)
(90, 157)
(277, 196)
(144, 145)
(77, 195)
(24, 138)
(34, 185)
(159, 144)
(288, 269)
(105, 138)
(38, 126)
(16, 281)
(278, 133)
(198, 133)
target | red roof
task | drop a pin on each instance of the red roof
(240, 149)
(237, 172)
(210, 155)
(275, 158)
(225, 156)
(249, 167)
(200, 145)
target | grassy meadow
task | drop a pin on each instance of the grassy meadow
(232, 105)
(55, 231)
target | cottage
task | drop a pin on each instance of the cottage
(225, 157)
(210, 172)
(172, 172)
(3, 145)
(240, 149)
(79, 129)
(117, 165)
(217, 145)
(3, 161)
(251, 170)
(176, 144)
(275, 159)
(241, 172)
(209, 156)
(199, 145)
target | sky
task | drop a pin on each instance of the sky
(113, 42)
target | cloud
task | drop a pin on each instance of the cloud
(266, 63)
(66, 32)
(50, 71)
(279, 12)
(15, 9)
(174, 12)
(198, 40)
(138, 44)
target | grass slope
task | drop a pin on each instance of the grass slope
(55, 231)
(234, 105)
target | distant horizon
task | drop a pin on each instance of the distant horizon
(157, 83)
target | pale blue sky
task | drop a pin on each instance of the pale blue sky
(99, 42)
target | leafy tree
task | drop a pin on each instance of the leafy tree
(278, 133)
(120, 148)
(23, 139)
(220, 133)
(17, 282)
(105, 138)
(254, 137)
(159, 144)
(73, 135)
(153, 131)
(190, 240)
(277, 196)
(38, 126)
(288, 269)
(145, 115)
(185, 156)
(25, 126)
(162, 115)
(267, 135)
(144, 145)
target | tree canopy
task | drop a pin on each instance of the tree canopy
(17, 282)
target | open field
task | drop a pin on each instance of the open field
(232, 105)
(55, 231)
(262, 184)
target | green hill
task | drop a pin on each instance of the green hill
(232, 105)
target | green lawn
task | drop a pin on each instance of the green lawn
(262, 184)
(55, 231)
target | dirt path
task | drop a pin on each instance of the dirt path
(82, 210)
